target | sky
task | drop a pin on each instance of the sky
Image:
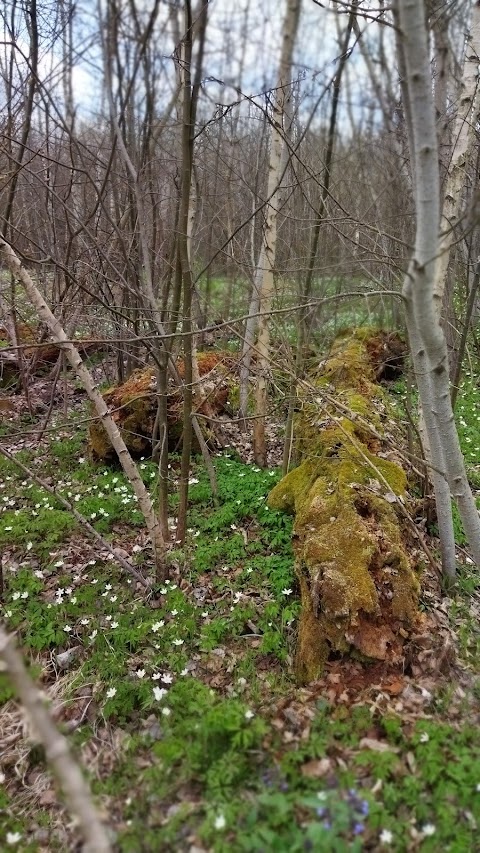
(241, 35)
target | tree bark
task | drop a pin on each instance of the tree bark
(73, 356)
(428, 345)
(464, 138)
(57, 750)
(269, 242)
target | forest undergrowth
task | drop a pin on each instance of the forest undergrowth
(180, 702)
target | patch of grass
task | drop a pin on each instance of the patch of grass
(190, 676)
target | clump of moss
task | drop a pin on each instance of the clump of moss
(359, 590)
(133, 405)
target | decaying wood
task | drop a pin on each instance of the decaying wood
(133, 405)
(359, 588)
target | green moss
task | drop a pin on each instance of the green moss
(357, 584)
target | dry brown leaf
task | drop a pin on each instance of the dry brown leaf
(317, 768)
(377, 745)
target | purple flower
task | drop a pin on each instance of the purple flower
(358, 828)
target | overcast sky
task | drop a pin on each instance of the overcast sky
(241, 33)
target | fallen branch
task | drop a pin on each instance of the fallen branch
(125, 564)
(57, 750)
(58, 334)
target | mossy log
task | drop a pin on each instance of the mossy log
(38, 355)
(133, 405)
(359, 588)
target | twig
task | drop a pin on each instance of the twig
(125, 564)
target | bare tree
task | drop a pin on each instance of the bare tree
(266, 262)
(427, 340)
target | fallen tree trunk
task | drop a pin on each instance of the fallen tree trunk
(38, 355)
(133, 405)
(359, 589)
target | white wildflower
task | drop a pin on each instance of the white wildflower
(159, 693)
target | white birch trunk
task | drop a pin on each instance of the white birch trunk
(83, 374)
(464, 140)
(429, 350)
(269, 242)
(57, 750)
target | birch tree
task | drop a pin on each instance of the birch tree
(464, 139)
(22, 275)
(57, 750)
(266, 263)
(427, 340)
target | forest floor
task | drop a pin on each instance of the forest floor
(180, 702)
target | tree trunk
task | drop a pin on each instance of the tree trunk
(73, 356)
(464, 139)
(57, 750)
(428, 345)
(302, 334)
(269, 243)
